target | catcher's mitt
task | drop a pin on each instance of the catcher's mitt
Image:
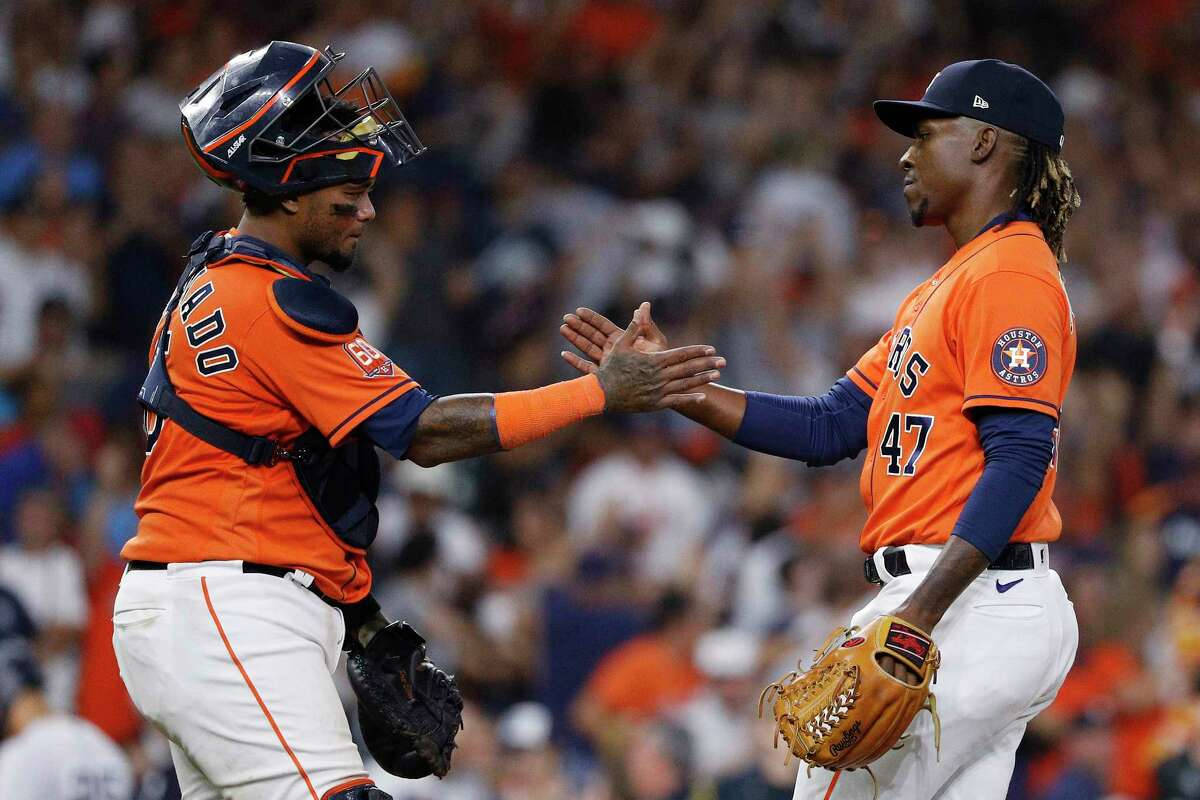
(408, 709)
(845, 711)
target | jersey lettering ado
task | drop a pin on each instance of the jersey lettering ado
(237, 357)
(992, 327)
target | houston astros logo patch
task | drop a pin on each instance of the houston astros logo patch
(1019, 357)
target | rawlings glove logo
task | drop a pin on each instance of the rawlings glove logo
(849, 737)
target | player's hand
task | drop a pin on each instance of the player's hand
(898, 669)
(595, 334)
(634, 380)
(913, 615)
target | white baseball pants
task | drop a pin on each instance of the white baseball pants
(236, 670)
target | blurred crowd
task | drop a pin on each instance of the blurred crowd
(613, 598)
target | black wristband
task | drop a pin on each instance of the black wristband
(354, 615)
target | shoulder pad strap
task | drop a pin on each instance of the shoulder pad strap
(200, 243)
(313, 310)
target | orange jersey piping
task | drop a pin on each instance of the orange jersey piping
(249, 683)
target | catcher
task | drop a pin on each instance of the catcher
(263, 405)
(958, 408)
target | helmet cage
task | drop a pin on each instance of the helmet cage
(361, 114)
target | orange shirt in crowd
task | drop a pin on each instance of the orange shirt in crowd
(1097, 673)
(641, 678)
(102, 698)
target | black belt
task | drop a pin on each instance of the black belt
(250, 567)
(1015, 555)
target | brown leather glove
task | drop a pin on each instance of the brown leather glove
(846, 711)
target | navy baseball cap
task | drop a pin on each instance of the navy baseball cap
(991, 91)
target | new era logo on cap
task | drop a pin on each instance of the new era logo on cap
(980, 103)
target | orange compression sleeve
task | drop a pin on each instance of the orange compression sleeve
(524, 416)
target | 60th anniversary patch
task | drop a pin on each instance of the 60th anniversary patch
(1019, 357)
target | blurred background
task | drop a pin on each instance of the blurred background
(612, 598)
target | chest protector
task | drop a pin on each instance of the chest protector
(342, 482)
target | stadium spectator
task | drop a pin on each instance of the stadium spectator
(47, 576)
(44, 752)
(770, 777)
(658, 764)
(719, 719)
(644, 502)
(644, 677)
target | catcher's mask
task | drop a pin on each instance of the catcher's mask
(271, 120)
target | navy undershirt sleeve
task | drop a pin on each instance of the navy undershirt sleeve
(818, 430)
(1017, 448)
(392, 427)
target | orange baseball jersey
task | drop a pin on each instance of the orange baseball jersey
(238, 358)
(992, 327)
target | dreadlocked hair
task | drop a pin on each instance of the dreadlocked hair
(1046, 191)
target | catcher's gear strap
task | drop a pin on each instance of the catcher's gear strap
(158, 393)
(313, 310)
(343, 482)
(522, 417)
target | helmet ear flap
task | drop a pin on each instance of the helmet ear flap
(211, 170)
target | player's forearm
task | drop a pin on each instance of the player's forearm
(722, 409)
(453, 428)
(959, 563)
(1018, 446)
(468, 425)
(818, 430)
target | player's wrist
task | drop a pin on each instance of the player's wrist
(362, 620)
(919, 615)
(367, 630)
(525, 416)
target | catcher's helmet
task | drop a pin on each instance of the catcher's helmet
(271, 121)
